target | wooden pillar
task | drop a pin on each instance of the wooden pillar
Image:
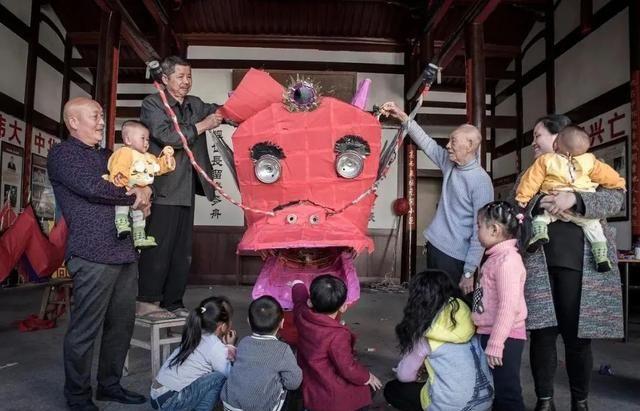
(66, 84)
(634, 44)
(29, 97)
(549, 43)
(519, 114)
(410, 173)
(107, 71)
(475, 82)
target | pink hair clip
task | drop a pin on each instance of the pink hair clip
(520, 218)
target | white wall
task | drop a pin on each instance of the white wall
(13, 55)
(595, 65)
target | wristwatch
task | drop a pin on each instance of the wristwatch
(468, 275)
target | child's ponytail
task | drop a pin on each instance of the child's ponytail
(205, 317)
(509, 216)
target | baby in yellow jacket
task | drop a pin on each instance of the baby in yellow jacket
(569, 168)
(131, 166)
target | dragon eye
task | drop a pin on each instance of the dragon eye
(349, 164)
(267, 169)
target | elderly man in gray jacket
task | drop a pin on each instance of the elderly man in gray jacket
(165, 268)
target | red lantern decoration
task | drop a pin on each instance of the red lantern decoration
(400, 206)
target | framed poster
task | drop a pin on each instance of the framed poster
(11, 175)
(616, 154)
(42, 199)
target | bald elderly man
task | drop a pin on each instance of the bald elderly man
(104, 268)
(452, 236)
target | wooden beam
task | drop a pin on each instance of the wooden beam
(131, 96)
(159, 14)
(128, 112)
(297, 42)
(490, 50)
(454, 120)
(93, 63)
(297, 65)
(549, 41)
(607, 12)
(478, 12)
(444, 104)
(29, 97)
(130, 31)
(476, 91)
(107, 72)
(66, 83)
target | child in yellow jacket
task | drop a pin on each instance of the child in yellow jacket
(131, 166)
(569, 168)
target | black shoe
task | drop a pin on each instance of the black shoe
(87, 405)
(545, 405)
(579, 405)
(121, 395)
(604, 267)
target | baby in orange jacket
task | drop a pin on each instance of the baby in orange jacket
(131, 166)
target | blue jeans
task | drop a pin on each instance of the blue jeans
(200, 395)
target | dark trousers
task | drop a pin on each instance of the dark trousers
(566, 286)
(404, 396)
(164, 269)
(438, 260)
(104, 297)
(506, 379)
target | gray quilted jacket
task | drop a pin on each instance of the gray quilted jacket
(601, 299)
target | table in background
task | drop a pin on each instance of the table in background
(625, 292)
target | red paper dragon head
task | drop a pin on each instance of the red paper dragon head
(307, 159)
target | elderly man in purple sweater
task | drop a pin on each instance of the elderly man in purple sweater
(452, 236)
(104, 268)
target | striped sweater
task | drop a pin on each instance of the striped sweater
(502, 279)
(465, 189)
(264, 368)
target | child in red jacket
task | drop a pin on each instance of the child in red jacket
(333, 380)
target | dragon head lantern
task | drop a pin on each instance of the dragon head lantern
(306, 160)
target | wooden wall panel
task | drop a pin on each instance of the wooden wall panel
(215, 260)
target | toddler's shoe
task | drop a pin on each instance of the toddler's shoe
(601, 256)
(140, 239)
(539, 236)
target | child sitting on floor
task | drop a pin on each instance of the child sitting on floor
(436, 335)
(195, 372)
(569, 168)
(131, 166)
(333, 380)
(499, 308)
(265, 368)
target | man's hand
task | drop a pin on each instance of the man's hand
(146, 210)
(494, 361)
(209, 122)
(558, 202)
(143, 197)
(391, 109)
(466, 285)
(374, 382)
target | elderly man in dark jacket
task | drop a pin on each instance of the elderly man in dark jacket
(164, 269)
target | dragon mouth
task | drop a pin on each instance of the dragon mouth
(304, 226)
(283, 267)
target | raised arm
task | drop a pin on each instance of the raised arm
(428, 145)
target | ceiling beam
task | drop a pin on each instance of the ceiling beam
(130, 31)
(297, 65)
(477, 12)
(286, 41)
(160, 16)
(490, 49)
(92, 63)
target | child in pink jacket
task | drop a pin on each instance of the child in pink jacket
(499, 309)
